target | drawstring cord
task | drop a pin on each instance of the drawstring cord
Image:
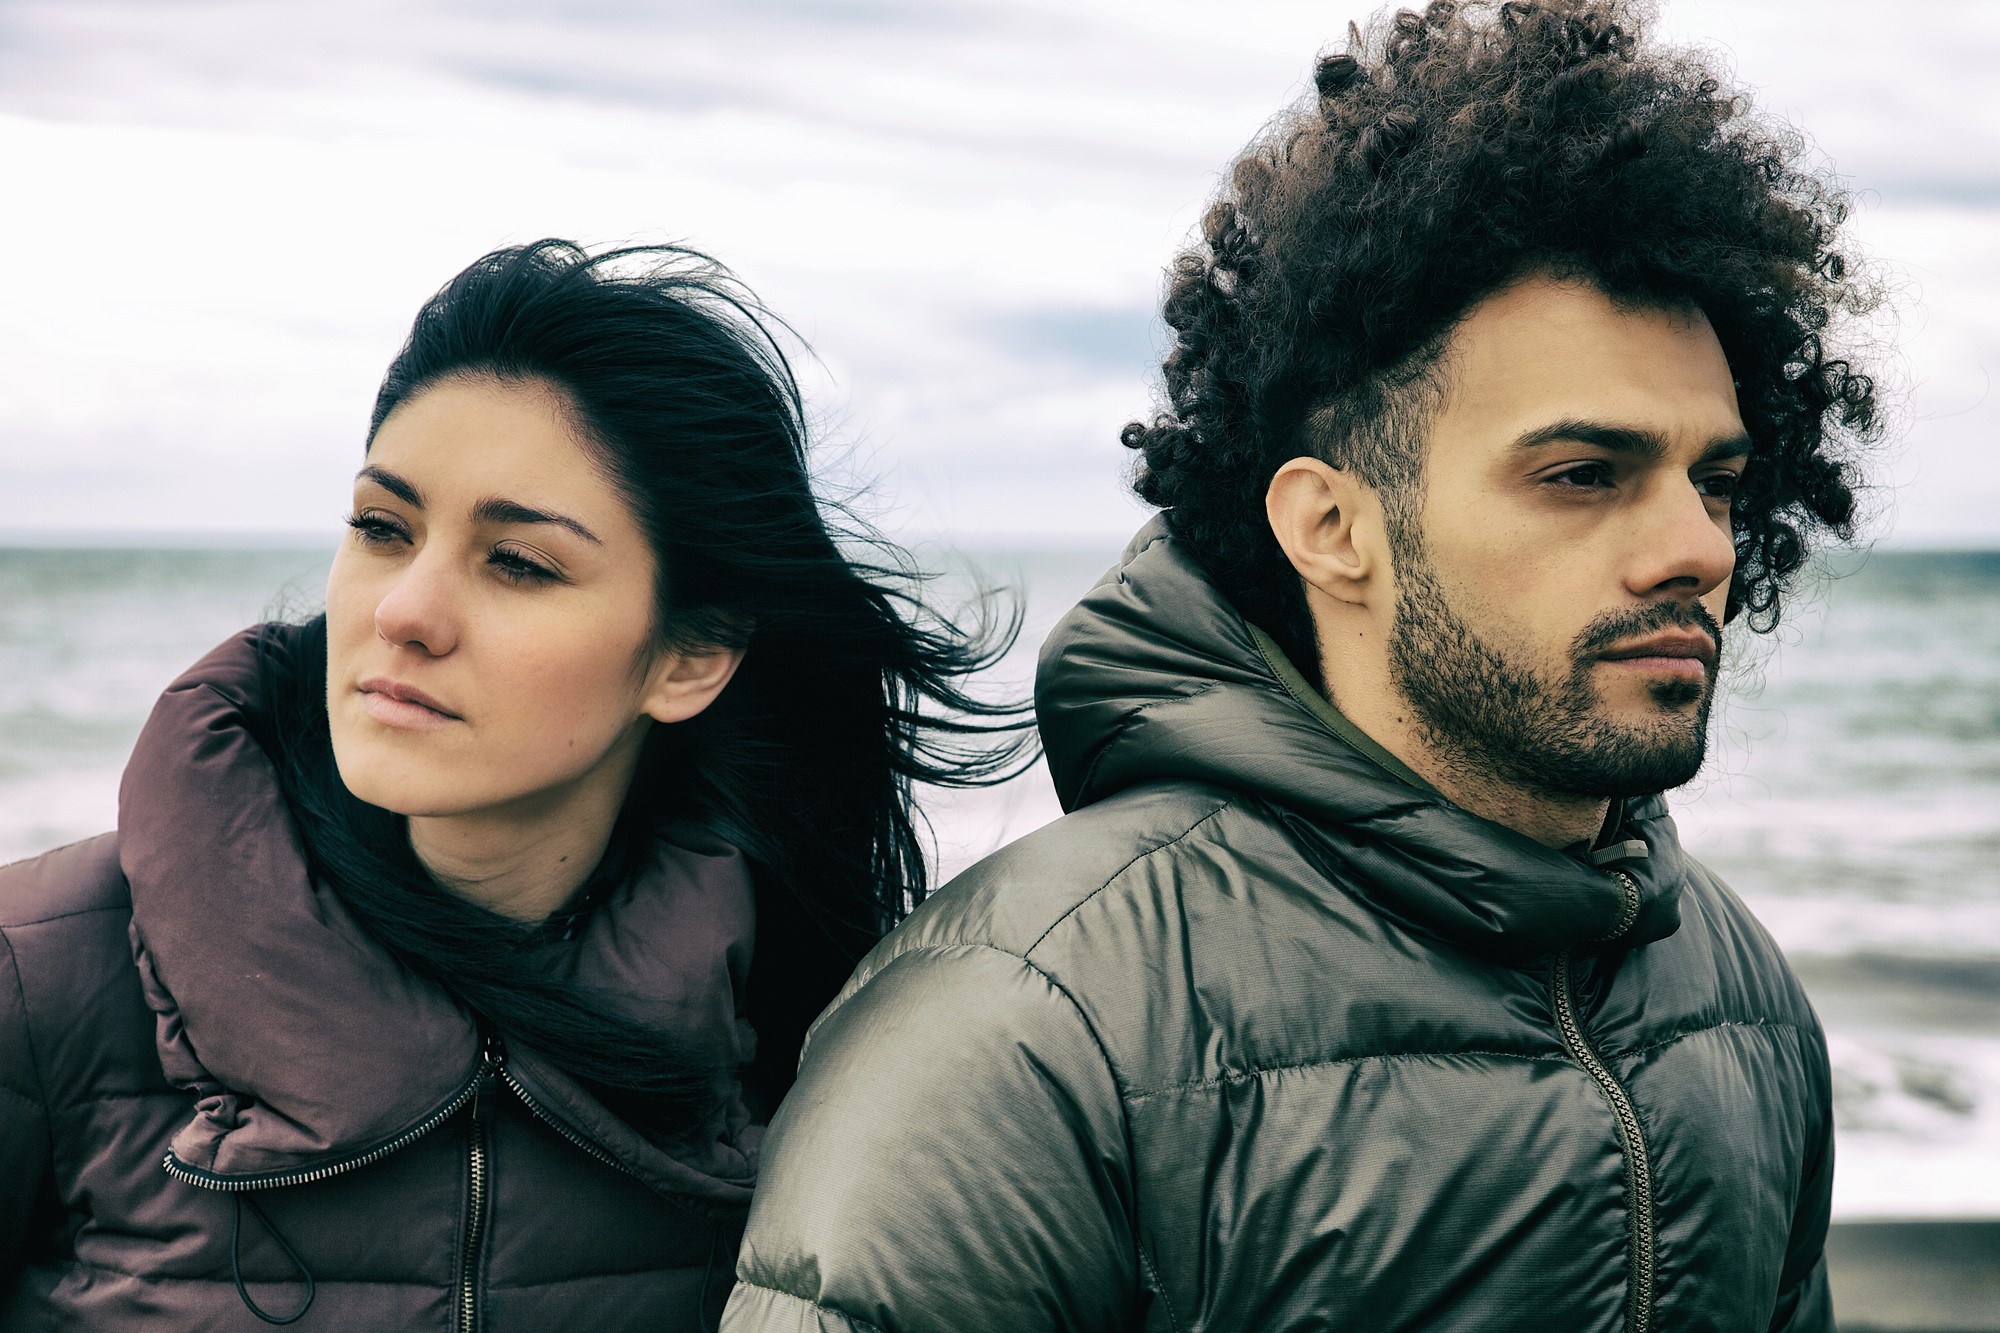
(236, 1263)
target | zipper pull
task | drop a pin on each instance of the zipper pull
(492, 1056)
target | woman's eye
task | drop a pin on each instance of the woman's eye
(374, 530)
(518, 568)
(1584, 476)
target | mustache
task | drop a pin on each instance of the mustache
(1614, 627)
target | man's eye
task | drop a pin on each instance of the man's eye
(1584, 476)
(1720, 486)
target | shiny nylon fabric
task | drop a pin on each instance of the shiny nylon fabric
(262, 1031)
(1261, 1036)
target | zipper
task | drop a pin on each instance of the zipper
(1638, 1169)
(492, 1057)
(194, 1175)
(550, 1119)
(480, 1092)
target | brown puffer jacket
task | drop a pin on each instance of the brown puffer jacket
(219, 1096)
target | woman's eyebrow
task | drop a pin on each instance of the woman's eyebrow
(496, 510)
(393, 484)
(491, 510)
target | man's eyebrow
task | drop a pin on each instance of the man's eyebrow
(507, 511)
(1627, 440)
(1617, 439)
(393, 484)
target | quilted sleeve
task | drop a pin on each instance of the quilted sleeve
(952, 1159)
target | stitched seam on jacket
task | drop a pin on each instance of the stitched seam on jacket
(28, 1040)
(1125, 722)
(1152, 1271)
(1261, 1071)
(1103, 1054)
(21, 861)
(1754, 1024)
(66, 916)
(823, 1309)
(608, 1275)
(1118, 874)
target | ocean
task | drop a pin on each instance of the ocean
(1852, 797)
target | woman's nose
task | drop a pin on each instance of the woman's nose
(419, 609)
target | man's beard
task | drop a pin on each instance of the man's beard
(1487, 715)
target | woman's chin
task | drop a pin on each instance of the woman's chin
(405, 787)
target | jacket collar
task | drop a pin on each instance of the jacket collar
(306, 1045)
(1155, 677)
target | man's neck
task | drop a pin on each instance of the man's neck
(1553, 821)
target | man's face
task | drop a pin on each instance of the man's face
(1560, 593)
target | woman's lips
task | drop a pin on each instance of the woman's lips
(403, 706)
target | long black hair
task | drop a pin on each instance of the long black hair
(850, 689)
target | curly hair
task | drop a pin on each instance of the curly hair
(1447, 153)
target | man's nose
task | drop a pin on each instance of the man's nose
(1679, 547)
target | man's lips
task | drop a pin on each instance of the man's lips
(1675, 649)
(395, 704)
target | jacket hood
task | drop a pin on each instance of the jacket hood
(1154, 677)
(307, 1044)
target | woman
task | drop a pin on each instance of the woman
(454, 945)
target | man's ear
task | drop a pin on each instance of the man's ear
(1329, 525)
(685, 681)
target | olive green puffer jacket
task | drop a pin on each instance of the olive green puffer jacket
(1265, 1036)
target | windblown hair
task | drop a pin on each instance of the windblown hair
(850, 690)
(1448, 153)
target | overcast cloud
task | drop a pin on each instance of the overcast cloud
(221, 214)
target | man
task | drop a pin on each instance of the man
(1366, 985)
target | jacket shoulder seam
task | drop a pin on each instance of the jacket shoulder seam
(1070, 911)
(23, 860)
(943, 946)
(1096, 1038)
(1673, 1038)
(65, 916)
(1300, 1066)
(1128, 718)
(852, 1320)
(105, 881)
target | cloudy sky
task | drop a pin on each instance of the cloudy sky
(219, 216)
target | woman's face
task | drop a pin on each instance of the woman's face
(490, 615)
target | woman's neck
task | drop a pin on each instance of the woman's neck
(525, 860)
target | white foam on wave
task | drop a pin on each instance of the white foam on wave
(1829, 927)
(1918, 1125)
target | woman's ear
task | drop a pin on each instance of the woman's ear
(683, 681)
(1329, 525)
